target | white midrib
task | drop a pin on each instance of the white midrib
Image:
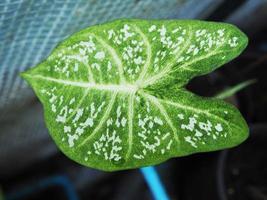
(127, 88)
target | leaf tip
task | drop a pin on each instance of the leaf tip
(242, 132)
(25, 75)
(244, 38)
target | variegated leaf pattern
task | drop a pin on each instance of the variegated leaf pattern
(114, 95)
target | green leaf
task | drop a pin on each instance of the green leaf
(114, 95)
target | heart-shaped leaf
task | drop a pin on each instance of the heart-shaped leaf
(114, 99)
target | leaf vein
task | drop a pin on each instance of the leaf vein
(102, 121)
(79, 104)
(162, 110)
(167, 69)
(148, 52)
(130, 119)
(198, 111)
(114, 56)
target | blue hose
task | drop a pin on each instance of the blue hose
(154, 183)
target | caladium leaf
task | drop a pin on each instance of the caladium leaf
(114, 95)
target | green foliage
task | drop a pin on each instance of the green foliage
(114, 97)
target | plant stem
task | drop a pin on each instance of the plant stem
(234, 89)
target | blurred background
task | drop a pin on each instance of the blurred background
(31, 167)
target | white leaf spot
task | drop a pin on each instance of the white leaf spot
(100, 55)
